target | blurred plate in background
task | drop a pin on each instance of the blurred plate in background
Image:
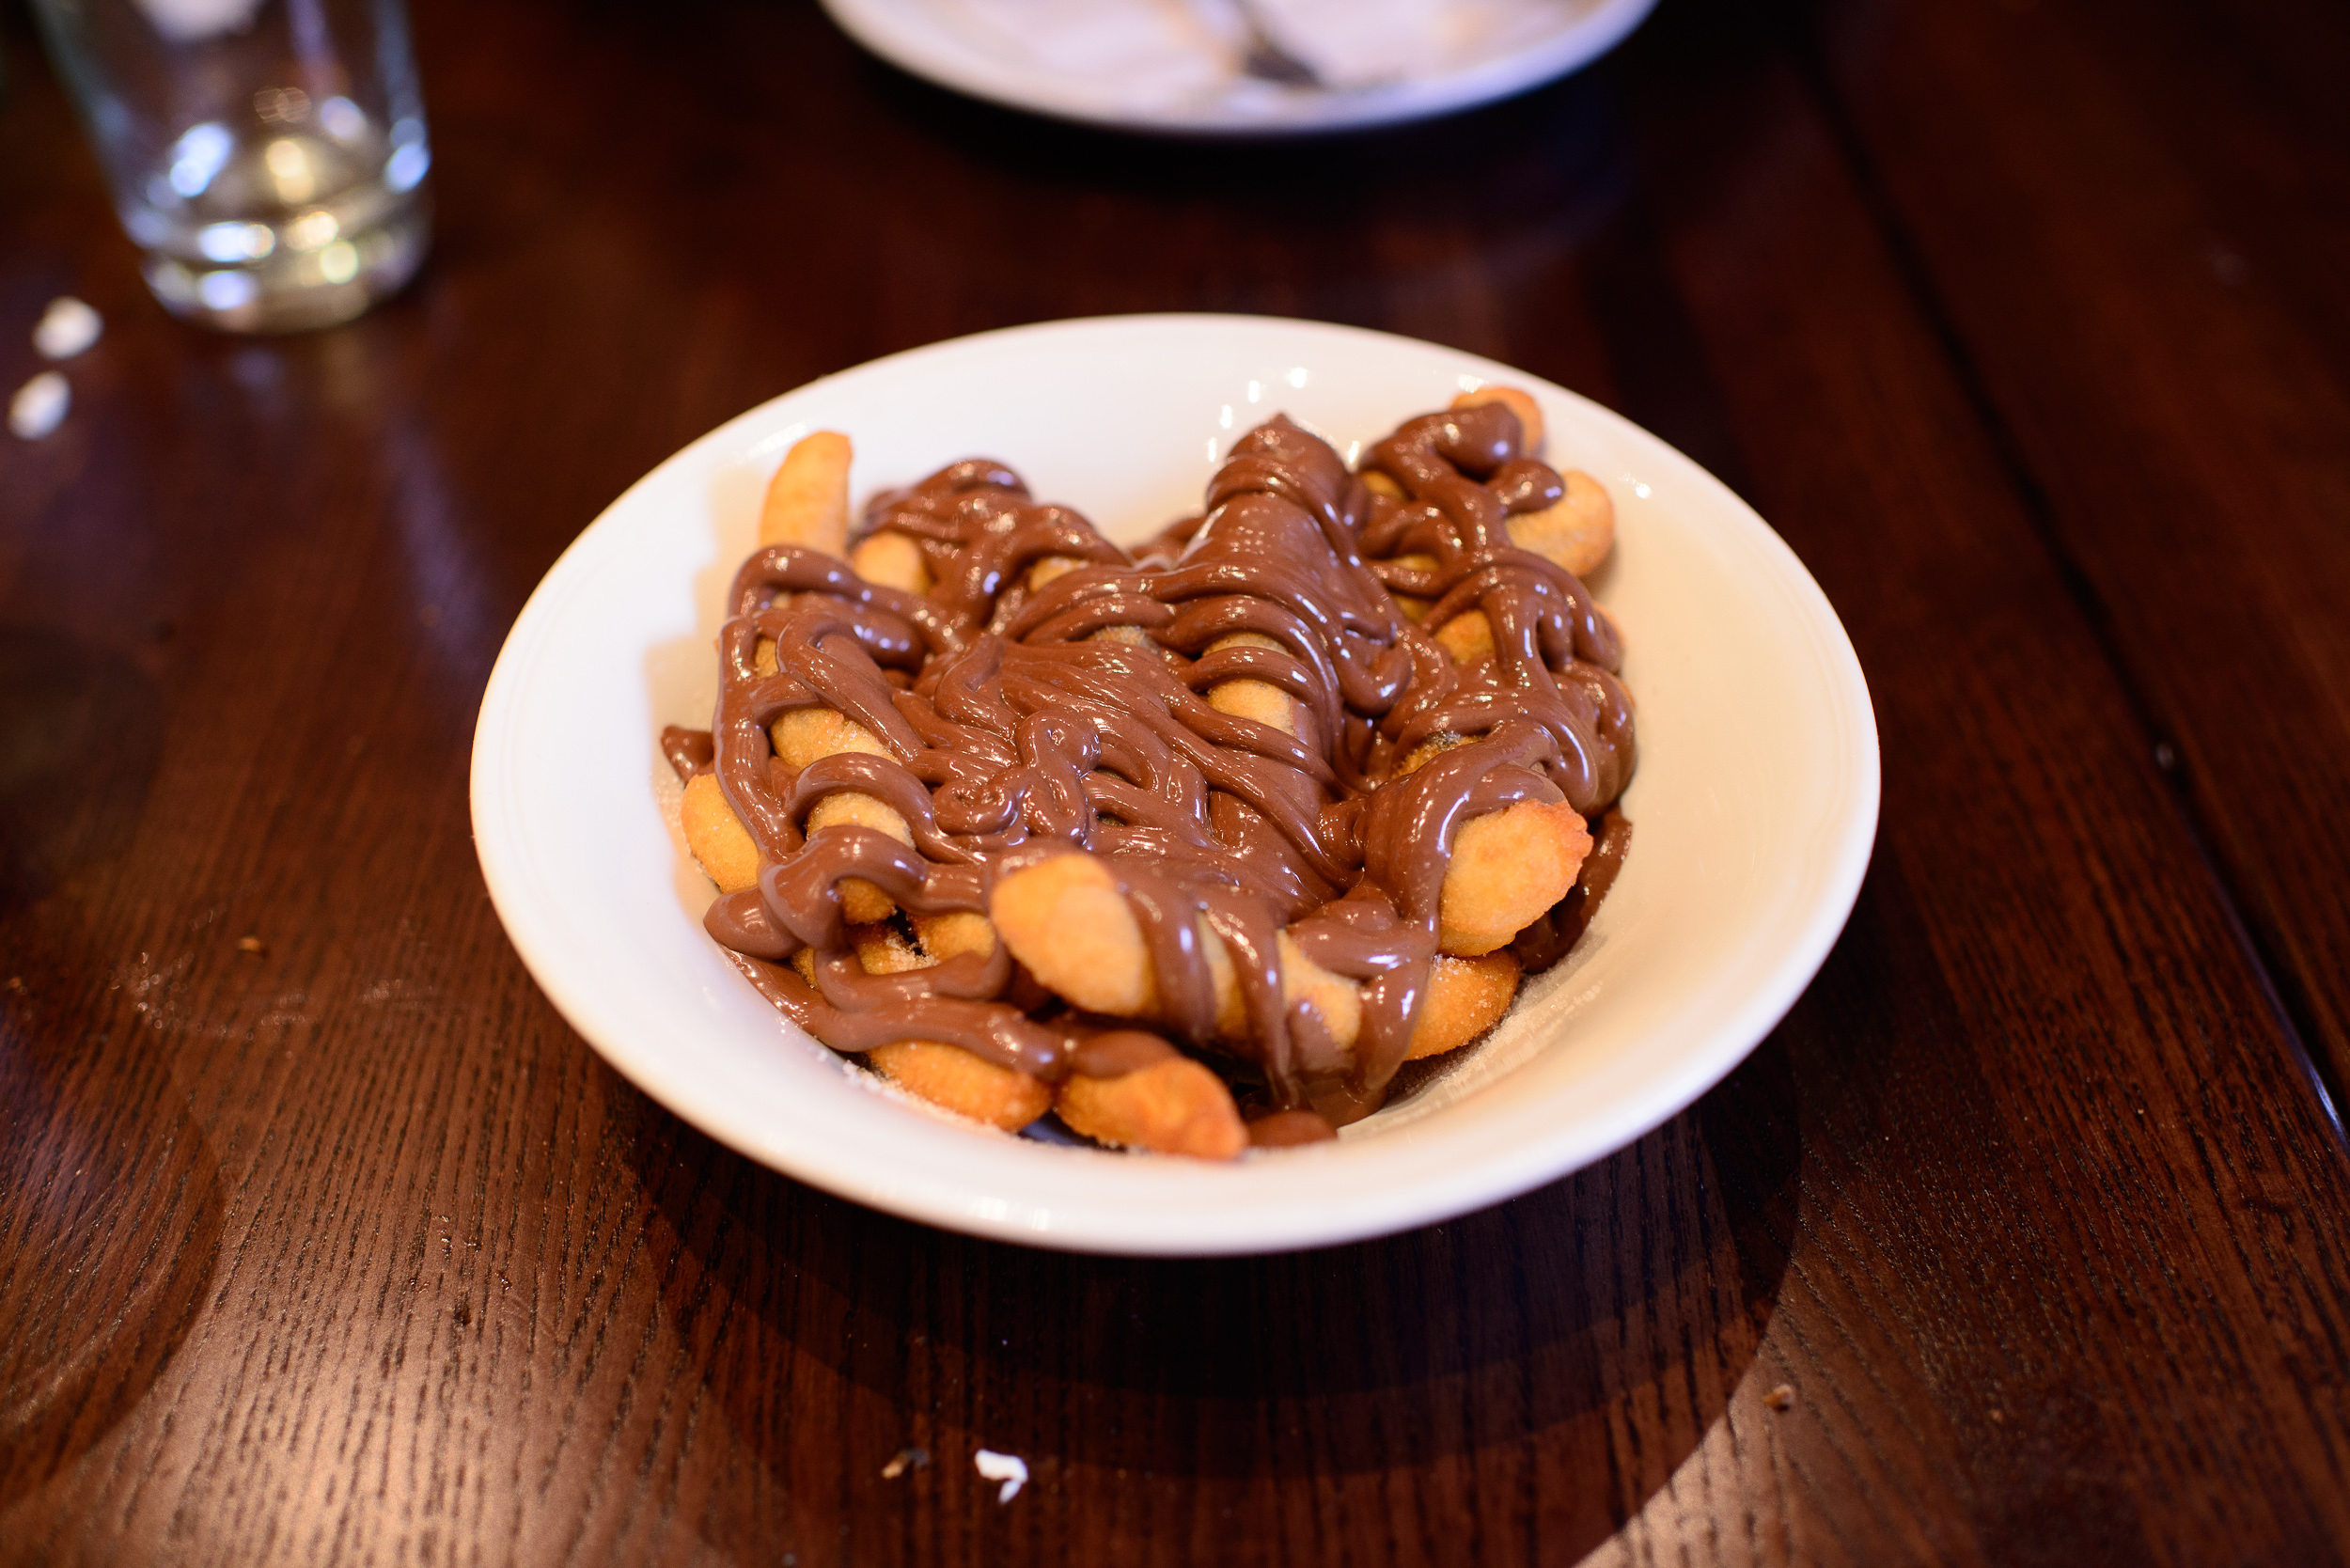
(1174, 66)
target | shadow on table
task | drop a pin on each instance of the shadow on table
(79, 745)
(110, 1213)
(110, 1230)
(1569, 1348)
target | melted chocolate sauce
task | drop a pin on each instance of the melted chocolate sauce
(689, 751)
(1024, 713)
(1287, 1129)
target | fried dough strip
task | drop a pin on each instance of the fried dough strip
(805, 736)
(1466, 996)
(1579, 529)
(1577, 532)
(724, 847)
(1246, 698)
(1467, 637)
(808, 504)
(952, 1078)
(1049, 567)
(892, 561)
(807, 499)
(1175, 1106)
(946, 1075)
(1508, 866)
(720, 842)
(1066, 920)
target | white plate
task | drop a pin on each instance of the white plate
(1172, 65)
(1754, 805)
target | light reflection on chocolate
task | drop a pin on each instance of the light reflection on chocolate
(1027, 712)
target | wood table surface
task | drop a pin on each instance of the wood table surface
(2025, 1238)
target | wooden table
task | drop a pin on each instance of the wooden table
(2022, 1240)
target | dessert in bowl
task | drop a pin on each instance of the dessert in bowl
(1755, 793)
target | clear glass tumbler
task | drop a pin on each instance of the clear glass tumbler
(267, 155)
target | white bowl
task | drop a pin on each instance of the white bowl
(1754, 806)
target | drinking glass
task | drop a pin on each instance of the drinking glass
(267, 156)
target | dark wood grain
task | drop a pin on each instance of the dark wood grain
(348, 1250)
(2136, 227)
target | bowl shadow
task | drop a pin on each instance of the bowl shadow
(1593, 1329)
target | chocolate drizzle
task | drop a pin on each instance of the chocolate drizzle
(1049, 692)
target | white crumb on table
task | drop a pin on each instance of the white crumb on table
(39, 407)
(1010, 1468)
(67, 328)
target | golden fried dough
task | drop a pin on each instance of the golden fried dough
(716, 835)
(1050, 567)
(1414, 607)
(1508, 866)
(1065, 919)
(1467, 637)
(1175, 1106)
(860, 901)
(1465, 997)
(892, 561)
(969, 1085)
(807, 500)
(1434, 746)
(804, 734)
(882, 949)
(1253, 700)
(1079, 936)
(1577, 532)
(943, 1074)
(953, 933)
(1338, 1000)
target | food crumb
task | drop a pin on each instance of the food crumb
(904, 1460)
(1010, 1468)
(250, 944)
(1780, 1397)
(39, 407)
(1998, 1415)
(67, 328)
